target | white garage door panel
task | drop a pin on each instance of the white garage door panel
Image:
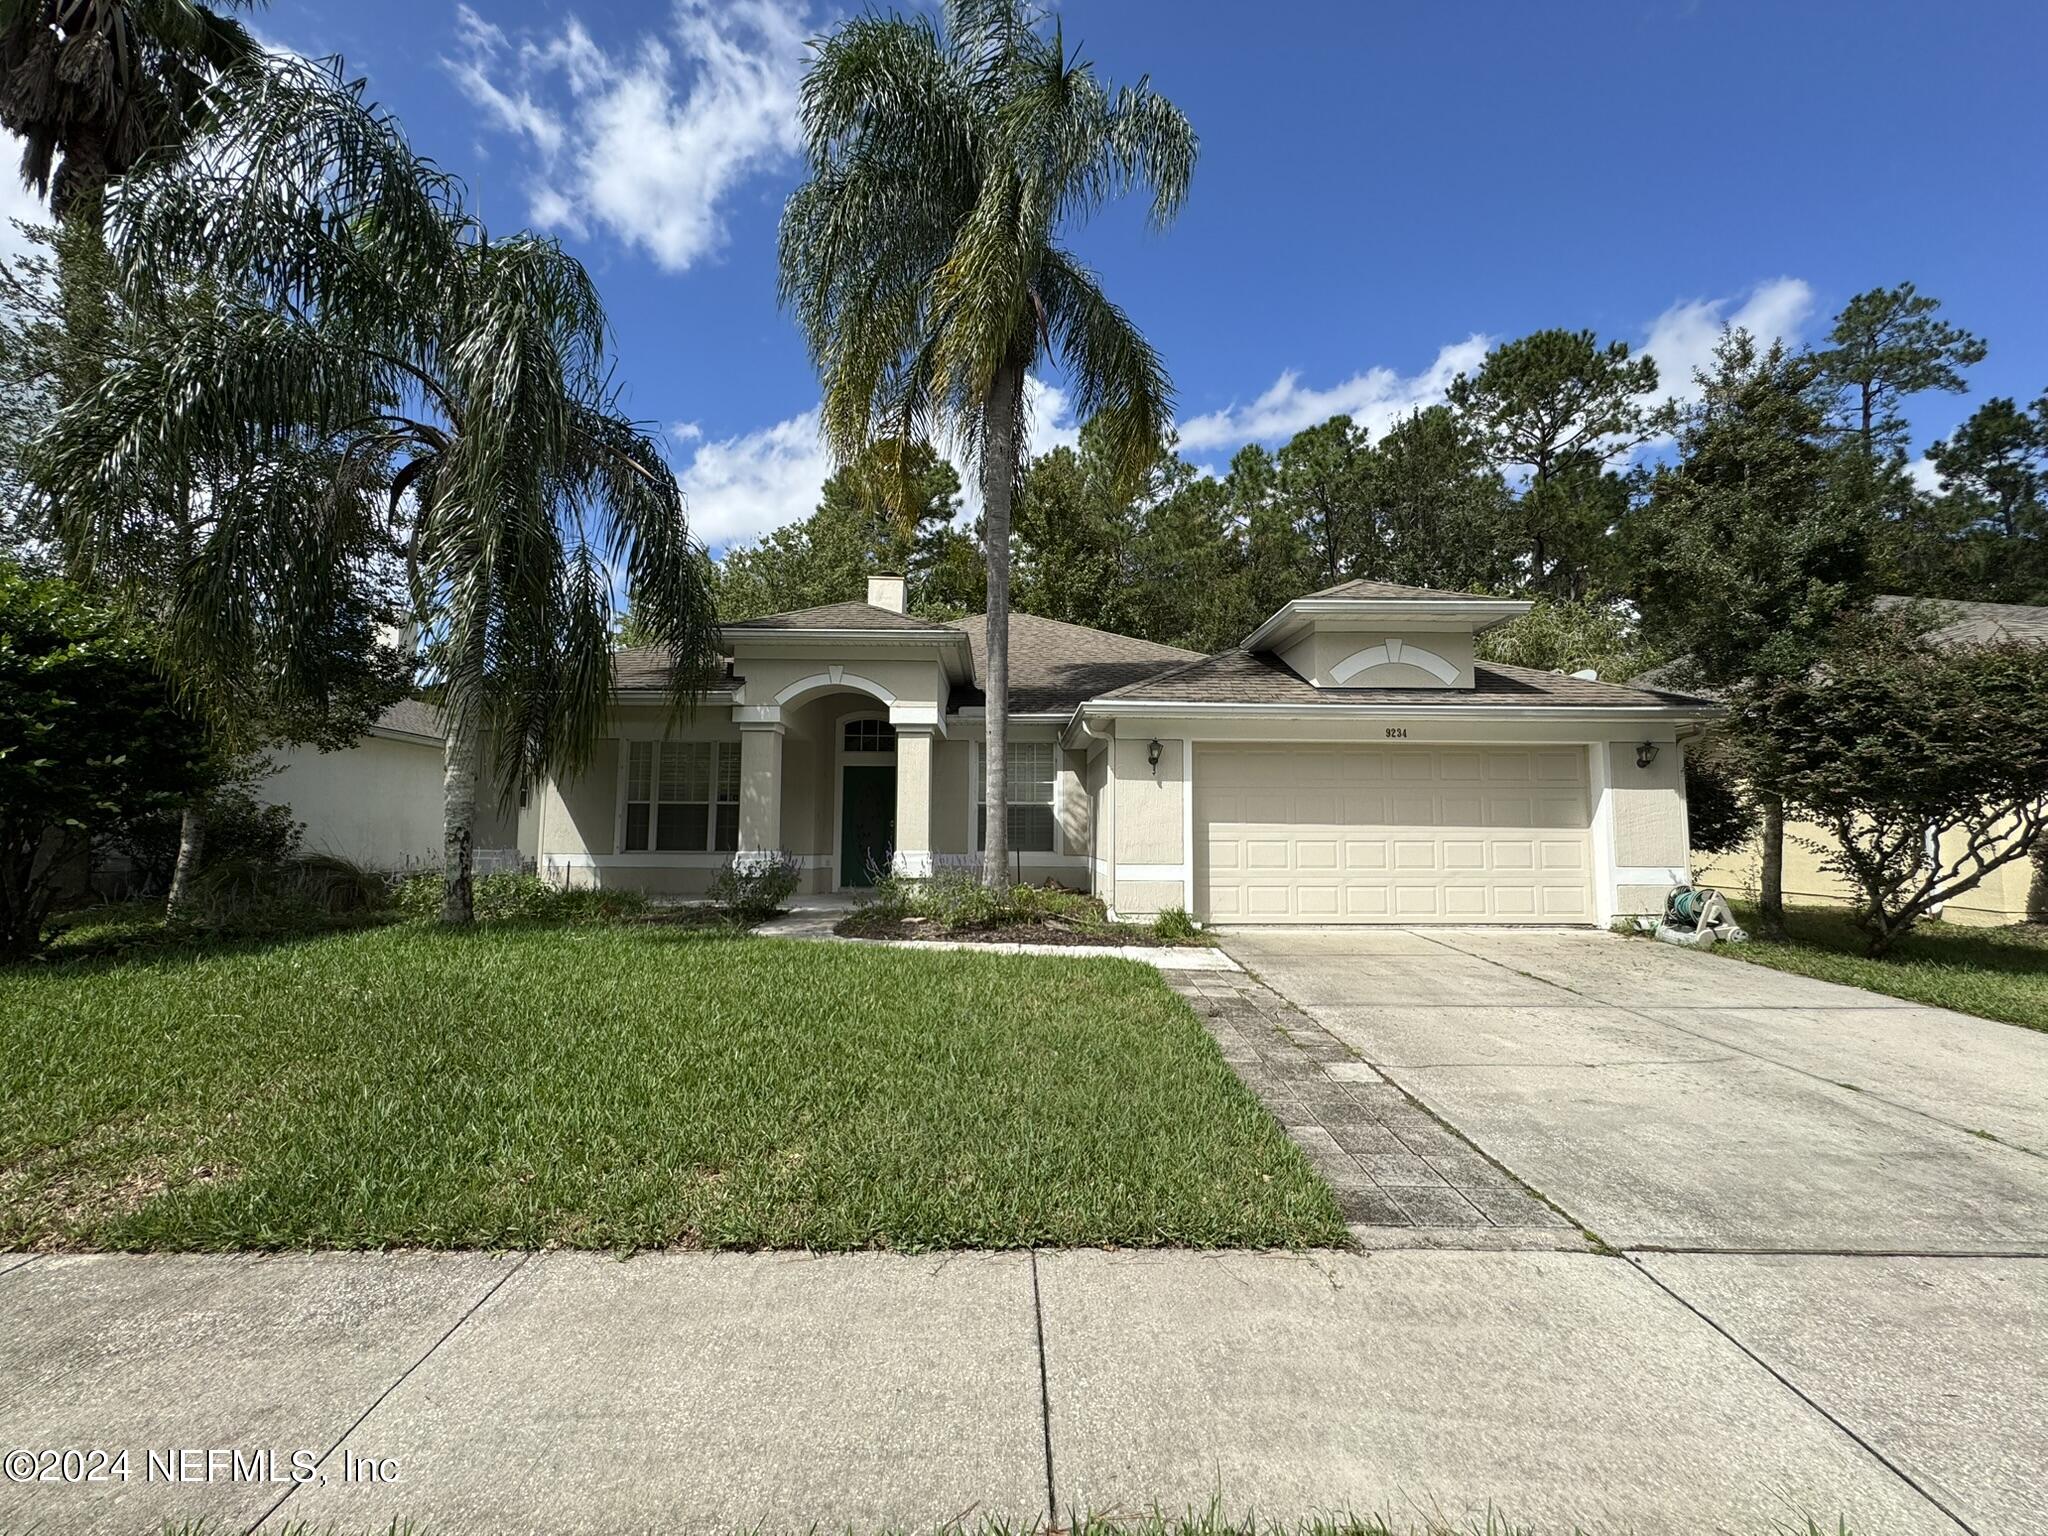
(1393, 835)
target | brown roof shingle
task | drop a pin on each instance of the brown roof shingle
(837, 616)
(1959, 623)
(1371, 591)
(1259, 677)
(1054, 665)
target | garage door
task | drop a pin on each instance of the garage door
(1392, 835)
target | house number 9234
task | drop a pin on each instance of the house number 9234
(1397, 732)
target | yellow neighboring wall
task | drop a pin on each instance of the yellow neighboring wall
(2000, 898)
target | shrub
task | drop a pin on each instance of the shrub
(1173, 926)
(239, 827)
(249, 894)
(752, 889)
(520, 898)
(89, 736)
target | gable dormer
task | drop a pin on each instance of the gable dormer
(1376, 634)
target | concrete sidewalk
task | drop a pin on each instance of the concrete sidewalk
(575, 1392)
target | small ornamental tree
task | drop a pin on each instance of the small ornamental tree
(89, 737)
(1927, 765)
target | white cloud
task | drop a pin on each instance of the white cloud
(744, 486)
(1376, 399)
(741, 487)
(647, 145)
(1925, 477)
(1683, 338)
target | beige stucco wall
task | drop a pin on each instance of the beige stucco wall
(2001, 898)
(1649, 806)
(952, 819)
(579, 815)
(1317, 655)
(1073, 807)
(378, 803)
(1140, 899)
(911, 681)
(1149, 817)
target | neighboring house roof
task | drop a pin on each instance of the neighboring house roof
(1258, 677)
(1975, 623)
(1958, 624)
(835, 616)
(1054, 665)
(412, 717)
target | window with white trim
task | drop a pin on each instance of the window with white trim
(1032, 785)
(681, 797)
(870, 736)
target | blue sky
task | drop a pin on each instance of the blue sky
(1380, 188)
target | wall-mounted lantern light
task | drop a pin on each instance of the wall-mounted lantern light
(1646, 754)
(1152, 754)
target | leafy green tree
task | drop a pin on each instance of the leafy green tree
(1438, 510)
(1562, 408)
(1278, 564)
(351, 305)
(1323, 473)
(923, 257)
(1915, 817)
(1757, 542)
(1572, 637)
(89, 736)
(1192, 582)
(1075, 522)
(892, 510)
(1888, 344)
(1986, 535)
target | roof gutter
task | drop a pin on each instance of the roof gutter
(1154, 708)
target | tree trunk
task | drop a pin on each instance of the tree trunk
(78, 202)
(1770, 901)
(999, 452)
(463, 763)
(191, 845)
(2037, 892)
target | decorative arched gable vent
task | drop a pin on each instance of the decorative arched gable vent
(1393, 653)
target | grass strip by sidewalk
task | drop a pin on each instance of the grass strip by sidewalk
(1995, 973)
(625, 1087)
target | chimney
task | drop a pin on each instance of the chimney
(885, 590)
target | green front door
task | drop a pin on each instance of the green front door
(867, 823)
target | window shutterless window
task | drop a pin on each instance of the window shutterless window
(727, 838)
(1032, 784)
(681, 797)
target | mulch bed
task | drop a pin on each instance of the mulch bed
(860, 926)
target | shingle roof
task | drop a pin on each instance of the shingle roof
(1956, 623)
(1259, 677)
(1373, 591)
(1968, 623)
(1054, 665)
(414, 717)
(837, 616)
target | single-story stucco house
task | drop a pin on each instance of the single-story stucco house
(1351, 762)
(2010, 894)
(379, 803)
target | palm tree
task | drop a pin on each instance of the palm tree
(353, 304)
(922, 259)
(93, 86)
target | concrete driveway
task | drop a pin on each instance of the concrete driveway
(1852, 1189)
(1679, 1101)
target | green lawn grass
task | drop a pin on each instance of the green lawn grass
(618, 1086)
(1996, 973)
